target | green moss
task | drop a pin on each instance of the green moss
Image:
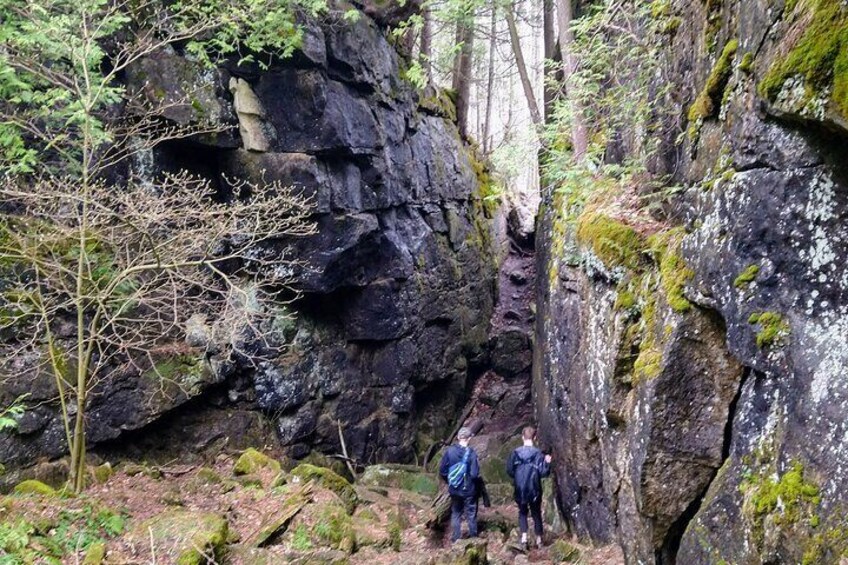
(208, 476)
(713, 26)
(784, 500)
(95, 555)
(102, 473)
(708, 101)
(820, 56)
(563, 552)
(34, 487)
(441, 103)
(252, 461)
(334, 528)
(329, 480)
(188, 371)
(773, 328)
(614, 243)
(746, 65)
(674, 274)
(624, 300)
(747, 276)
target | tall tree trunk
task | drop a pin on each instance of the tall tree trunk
(549, 17)
(462, 73)
(522, 67)
(427, 44)
(579, 136)
(490, 83)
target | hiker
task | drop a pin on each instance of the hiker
(460, 469)
(527, 466)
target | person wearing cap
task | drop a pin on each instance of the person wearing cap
(461, 470)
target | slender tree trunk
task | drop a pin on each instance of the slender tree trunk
(549, 16)
(579, 136)
(522, 67)
(462, 74)
(490, 83)
(426, 54)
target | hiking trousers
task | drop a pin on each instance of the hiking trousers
(463, 506)
(534, 508)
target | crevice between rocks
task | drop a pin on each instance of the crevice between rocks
(667, 554)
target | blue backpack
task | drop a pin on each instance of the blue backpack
(458, 471)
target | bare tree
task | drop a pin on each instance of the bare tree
(579, 135)
(127, 265)
(490, 80)
(462, 71)
(523, 74)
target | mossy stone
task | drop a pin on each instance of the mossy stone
(563, 552)
(400, 476)
(188, 536)
(252, 461)
(615, 243)
(208, 476)
(102, 473)
(329, 480)
(95, 554)
(708, 101)
(32, 486)
(747, 276)
(773, 328)
(820, 56)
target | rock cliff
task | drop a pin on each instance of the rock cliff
(397, 284)
(692, 378)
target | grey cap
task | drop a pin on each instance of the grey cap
(463, 433)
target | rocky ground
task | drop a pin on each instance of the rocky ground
(251, 509)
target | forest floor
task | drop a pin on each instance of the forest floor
(211, 514)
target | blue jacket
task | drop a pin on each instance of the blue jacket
(527, 467)
(454, 454)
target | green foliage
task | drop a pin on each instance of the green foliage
(615, 87)
(820, 56)
(72, 532)
(300, 539)
(335, 528)
(747, 276)
(9, 416)
(773, 328)
(60, 71)
(708, 101)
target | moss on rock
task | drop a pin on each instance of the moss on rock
(674, 274)
(187, 536)
(820, 56)
(32, 486)
(708, 101)
(615, 243)
(773, 328)
(252, 461)
(329, 480)
(401, 476)
(747, 276)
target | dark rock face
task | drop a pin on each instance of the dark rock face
(735, 452)
(398, 282)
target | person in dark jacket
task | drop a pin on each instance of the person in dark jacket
(527, 466)
(464, 495)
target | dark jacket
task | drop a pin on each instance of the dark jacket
(527, 467)
(454, 454)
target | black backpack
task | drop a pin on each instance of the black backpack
(526, 479)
